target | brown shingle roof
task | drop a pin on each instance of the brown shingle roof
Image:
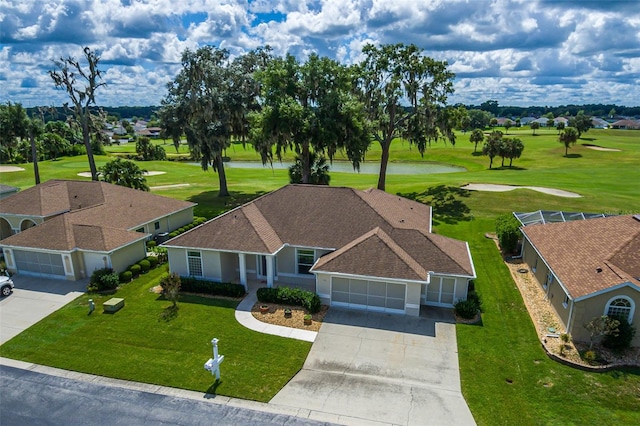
(374, 254)
(592, 255)
(115, 208)
(60, 233)
(333, 218)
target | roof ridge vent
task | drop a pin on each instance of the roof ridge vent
(637, 217)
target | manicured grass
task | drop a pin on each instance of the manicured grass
(137, 343)
(506, 345)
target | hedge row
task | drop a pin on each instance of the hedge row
(290, 296)
(196, 221)
(195, 285)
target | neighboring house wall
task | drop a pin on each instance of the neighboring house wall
(167, 223)
(177, 261)
(94, 261)
(587, 309)
(126, 256)
(18, 223)
(547, 282)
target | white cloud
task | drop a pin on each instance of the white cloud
(520, 51)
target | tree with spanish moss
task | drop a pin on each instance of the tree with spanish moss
(404, 93)
(81, 85)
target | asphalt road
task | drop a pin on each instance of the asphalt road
(30, 398)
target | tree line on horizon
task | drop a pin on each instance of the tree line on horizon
(315, 108)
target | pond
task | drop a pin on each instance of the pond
(371, 168)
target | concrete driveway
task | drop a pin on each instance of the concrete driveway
(34, 298)
(380, 368)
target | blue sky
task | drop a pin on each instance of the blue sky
(519, 52)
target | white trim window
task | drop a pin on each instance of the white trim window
(620, 307)
(305, 259)
(566, 301)
(194, 263)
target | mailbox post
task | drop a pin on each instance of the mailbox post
(213, 364)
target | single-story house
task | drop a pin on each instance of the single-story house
(67, 229)
(587, 268)
(360, 249)
(626, 124)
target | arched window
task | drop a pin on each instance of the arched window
(620, 307)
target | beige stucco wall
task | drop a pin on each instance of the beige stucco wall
(126, 256)
(323, 287)
(168, 223)
(211, 267)
(585, 310)
(230, 267)
(413, 299)
(178, 261)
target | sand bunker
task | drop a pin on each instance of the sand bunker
(503, 188)
(600, 148)
(177, 185)
(88, 174)
(5, 169)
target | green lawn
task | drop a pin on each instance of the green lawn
(506, 345)
(138, 343)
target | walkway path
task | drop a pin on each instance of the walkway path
(244, 317)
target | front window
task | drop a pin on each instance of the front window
(566, 302)
(156, 225)
(620, 308)
(549, 280)
(306, 258)
(194, 263)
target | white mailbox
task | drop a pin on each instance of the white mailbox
(213, 364)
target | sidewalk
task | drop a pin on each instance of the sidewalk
(244, 317)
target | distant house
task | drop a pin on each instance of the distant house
(66, 229)
(541, 121)
(587, 268)
(359, 249)
(626, 124)
(599, 123)
(526, 120)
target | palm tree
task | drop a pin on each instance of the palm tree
(124, 173)
(475, 138)
(319, 174)
(568, 137)
(492, 146)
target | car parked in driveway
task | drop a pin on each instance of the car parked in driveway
(6, 285)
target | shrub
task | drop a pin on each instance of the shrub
(589, 356)
(508, 232)
(195, 285)
(466, 308)
(153, 261)
(161, 255)
(290, 296)
(135, 269)
(173, 234)
(622, 339)
(126, 276)
(151, 244)
(145, 265)
(103, 279)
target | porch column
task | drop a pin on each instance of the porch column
(242, 263)
(270, 271)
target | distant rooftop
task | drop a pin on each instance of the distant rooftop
(554, 216)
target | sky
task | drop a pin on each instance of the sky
(518, 52)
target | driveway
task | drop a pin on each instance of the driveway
(34, 298)
(381, 368)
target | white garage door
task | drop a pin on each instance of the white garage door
(39, 263)
(371, 295)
